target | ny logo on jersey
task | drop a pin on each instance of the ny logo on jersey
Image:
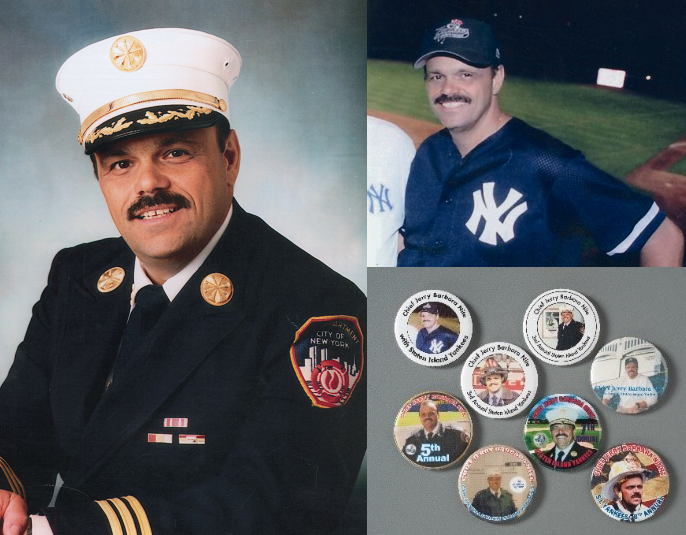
(486, 208)
(378, 198)
(436, 346)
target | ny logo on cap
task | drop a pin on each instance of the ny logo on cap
(453, 30)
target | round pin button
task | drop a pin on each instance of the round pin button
(629, 483)
(433, 328)
(499, 380)
(561, 327)
(497, 483)
(433, 430)
(629, 375)
(562, 432)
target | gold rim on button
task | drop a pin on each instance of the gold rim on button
(127, 54)
(216, 289)
(110, 280)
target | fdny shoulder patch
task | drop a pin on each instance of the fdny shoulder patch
(328, 358)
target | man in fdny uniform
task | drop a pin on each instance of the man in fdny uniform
(435, 444)
(623, 491)
(490, 190)
(195, 375)
(569, 331)
(434, 337)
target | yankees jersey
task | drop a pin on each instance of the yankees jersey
(437, 341)
(389, 155)
(520, 198)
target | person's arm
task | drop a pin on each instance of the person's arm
(13, 513)
(27, 442)
(665, 247)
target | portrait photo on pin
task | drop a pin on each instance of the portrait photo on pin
(433, 430)
(433, 328)
(630, 483)
(561, 327)
(499, 380)
(562, 432)
(497, 483)
(629, 375)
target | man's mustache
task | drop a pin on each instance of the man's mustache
(159, 197)
(452, 98)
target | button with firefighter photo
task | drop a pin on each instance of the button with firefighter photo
(499, 380)
(433, 430)
(629, 483)
(433, 328)
(561, 327)
(629, 375)
(562, 432)
(497, 483)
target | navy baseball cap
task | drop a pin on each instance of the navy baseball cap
(468, 40)
(431, 308)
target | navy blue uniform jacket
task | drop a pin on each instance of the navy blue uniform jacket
(272, 462)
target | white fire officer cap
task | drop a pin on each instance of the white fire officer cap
(147, 82)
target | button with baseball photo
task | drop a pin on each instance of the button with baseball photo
(630, 483)
(499, 380)
(497, 483)
(562, 432)
(433, 430)
(561, 327)
(433, 328)
(629, 375)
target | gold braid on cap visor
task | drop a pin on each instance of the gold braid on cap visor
(150, 96)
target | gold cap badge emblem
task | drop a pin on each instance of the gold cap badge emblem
(216, 289)
(110, 280)
(127, 54)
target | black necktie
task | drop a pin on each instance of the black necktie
(150, 303)
(560, 454)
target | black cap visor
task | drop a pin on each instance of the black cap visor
(155, 120)
(470, 59)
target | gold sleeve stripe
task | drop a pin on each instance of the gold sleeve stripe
(140, 514)
(111, 516)
(15, 485)
(125, 515)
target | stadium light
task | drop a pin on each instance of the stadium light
(611, 77)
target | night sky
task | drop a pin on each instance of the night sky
(566, 40)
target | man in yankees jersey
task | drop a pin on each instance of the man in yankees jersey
(490, 190)
(434, 337)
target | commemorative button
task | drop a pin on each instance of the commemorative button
(629, 375)
(630, 483)
(433, 430)
(561, 327)
(499, 380)
(497, 483)
(433, 328)
(562, 432)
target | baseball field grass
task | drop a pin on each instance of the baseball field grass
(616, 130)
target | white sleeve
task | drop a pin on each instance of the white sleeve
(650, 392)
(40, 525)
